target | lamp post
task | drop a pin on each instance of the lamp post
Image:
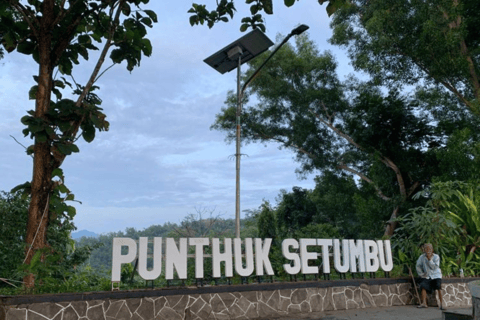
(234, 55)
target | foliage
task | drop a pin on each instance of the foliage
(55, 34)
(226, 9)
(334, 199)
(84, 280)
(388, 140)
(13, 223)
(294, 211)
(449, 221)
(55, 263)
(430, 43)
(197, 225)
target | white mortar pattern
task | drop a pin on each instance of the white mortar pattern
(354, 297)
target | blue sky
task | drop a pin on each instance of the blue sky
(160, 161)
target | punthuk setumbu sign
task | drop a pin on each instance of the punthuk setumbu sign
(348, 256)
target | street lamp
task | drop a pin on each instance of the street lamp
(231, 57)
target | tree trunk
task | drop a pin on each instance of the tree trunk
(41, 186)
(391, 224)
(38, 211)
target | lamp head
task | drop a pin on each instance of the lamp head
(300, 29)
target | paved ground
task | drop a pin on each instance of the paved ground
(389, 313)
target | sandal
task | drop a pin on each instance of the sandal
(422, 306)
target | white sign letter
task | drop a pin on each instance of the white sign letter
(142, 258)
(386, 261)
(371, 255)
(199, 243)
(118, 259)
(305, 256)
(356, 251)
(325, 243)
(176, 259)
(218, 257)
(286, 244)
(337, 255)
(261, 257)
(237, 245)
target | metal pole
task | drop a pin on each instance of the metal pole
(240, 90)
(238, 154)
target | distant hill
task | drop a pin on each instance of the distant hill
(83, 233)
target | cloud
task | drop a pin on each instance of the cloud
(159, 160)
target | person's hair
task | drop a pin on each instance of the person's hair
(426, 245)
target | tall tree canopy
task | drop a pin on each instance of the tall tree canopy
(388, 140)
(56, 34)
(429, 43)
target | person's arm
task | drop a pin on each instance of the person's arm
(419, 267)
(434, 263)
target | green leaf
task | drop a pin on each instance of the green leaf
(41, 136)
(147, 21)
(23, 186)
(126, 9)
(147, 47)
(84, 39)
(67, 149)
(193, 20)
(57, 173)
(267, 6)
(26, 47)
(74, 147)
(9, 39)
(62, 188)
(32, 94)
(88, 133)
(57, 93)
(59, 83)
(289, 3)
(152, 15)
(244, 27)
(71, 212)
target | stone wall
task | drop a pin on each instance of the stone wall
(252, 301)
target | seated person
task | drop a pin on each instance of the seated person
(428, 268)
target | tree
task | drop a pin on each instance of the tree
(55, 33)
(295, 210)
(13, 222)
(428, 43)
(58, 267)
(336, 205)
(199, 226)
(385, 139)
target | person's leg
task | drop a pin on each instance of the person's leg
(437, 285)
(440, 298)
(424, 297)
(424, 286)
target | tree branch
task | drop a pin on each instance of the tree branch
(335, 129)
(364, 178)
(26, 14)
(398, 173)
(76, 125)
(101, 59)
(64, 12)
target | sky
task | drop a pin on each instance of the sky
(160, 161)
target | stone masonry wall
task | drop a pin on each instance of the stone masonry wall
(225, 302)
